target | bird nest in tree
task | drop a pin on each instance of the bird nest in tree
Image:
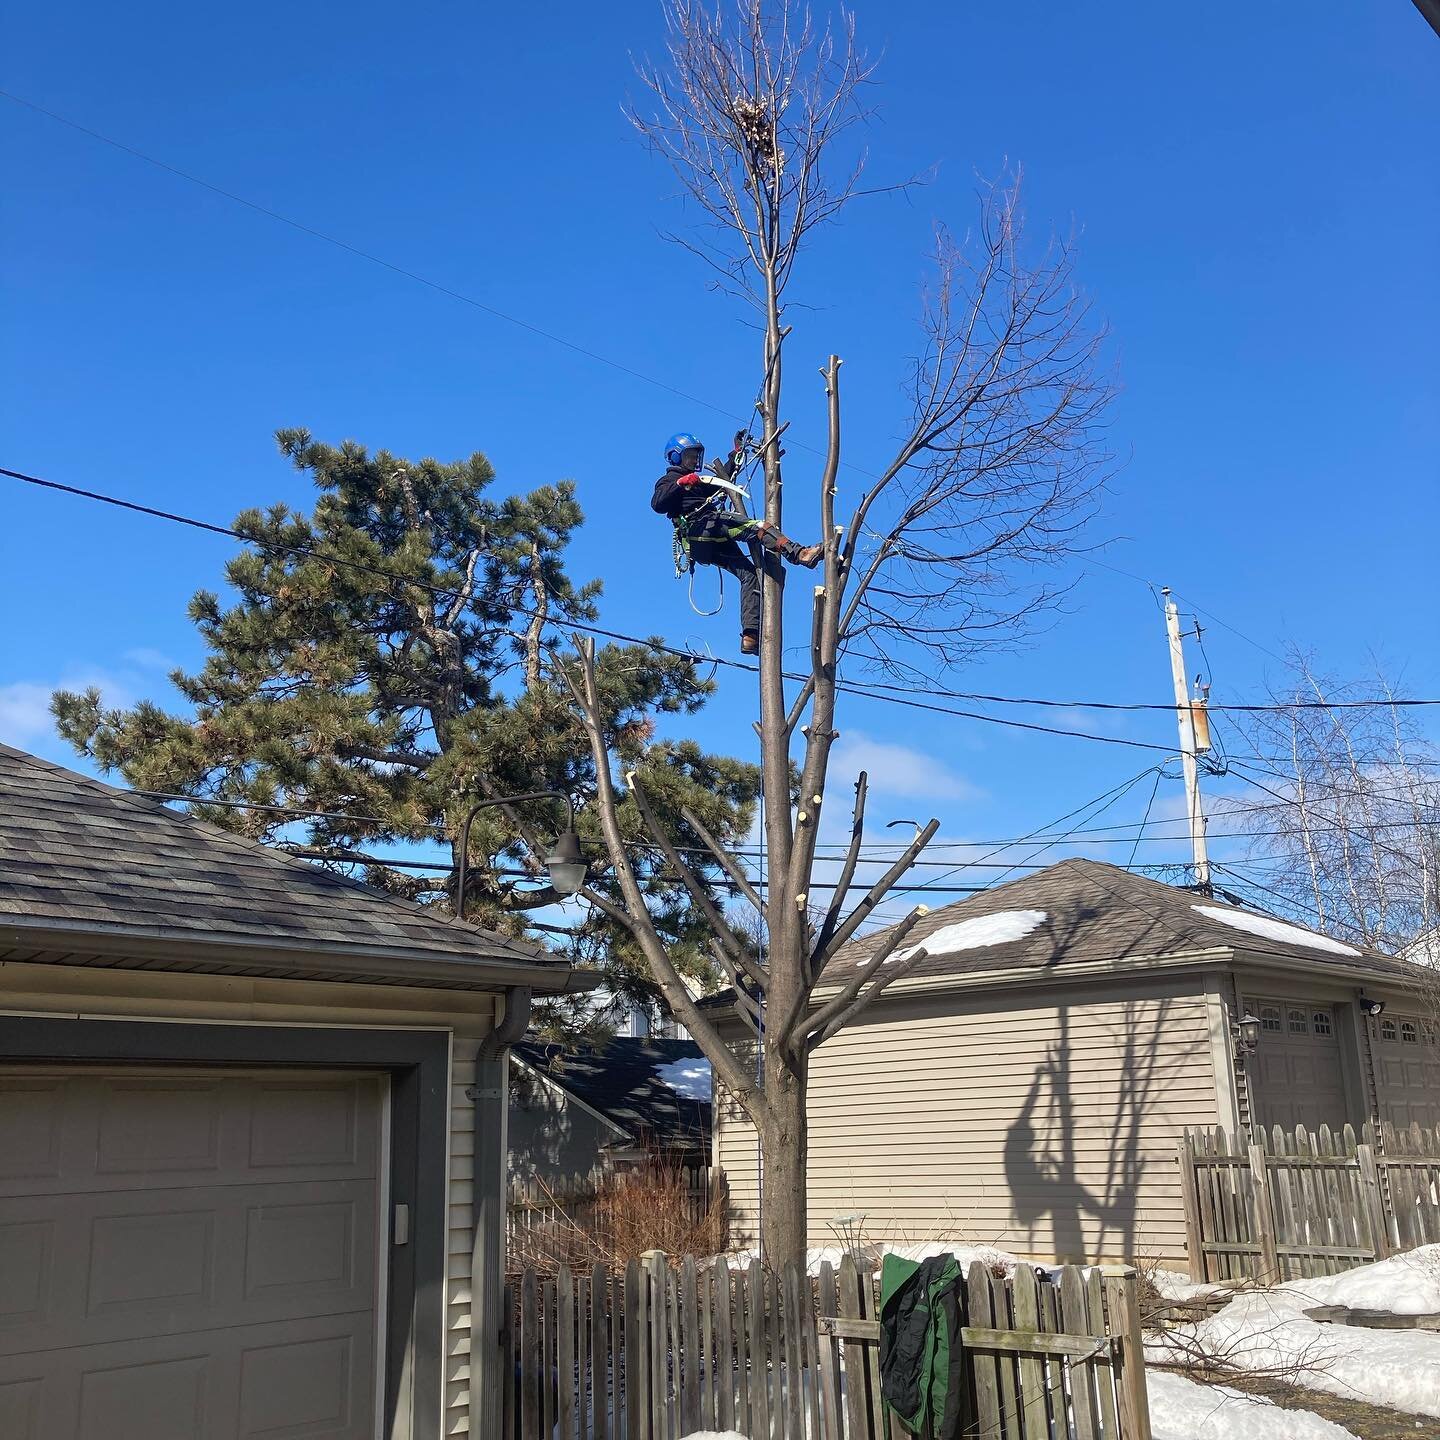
(755, 121)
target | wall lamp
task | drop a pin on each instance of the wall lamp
(1371, 1007)
(1245, 1032)
(564, 862)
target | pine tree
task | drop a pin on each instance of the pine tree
(388, 662)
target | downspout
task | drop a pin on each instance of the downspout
(491, 1093)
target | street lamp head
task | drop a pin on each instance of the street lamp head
(566, 864)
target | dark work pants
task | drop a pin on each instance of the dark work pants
(713, 541)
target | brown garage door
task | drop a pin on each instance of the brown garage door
(1407, 1069)
(1296, 1065)
(188, 1256)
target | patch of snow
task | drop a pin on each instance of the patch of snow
(871, 1254)
(1183, 1409)
(1172, 1285)
(976, 933)
(687, 1078)
(1274, 929)
(1407, 1284)
(1268, 1330)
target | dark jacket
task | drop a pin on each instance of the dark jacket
(921, 1375)
(672, 498)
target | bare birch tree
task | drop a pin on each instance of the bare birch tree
(1351, 822)
(943, 554)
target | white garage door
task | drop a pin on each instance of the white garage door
(1297, 1065)
(1407, 1069)
(188, 1256)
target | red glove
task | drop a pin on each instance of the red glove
(691, 479)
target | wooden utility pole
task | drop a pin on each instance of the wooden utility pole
(1185, 713)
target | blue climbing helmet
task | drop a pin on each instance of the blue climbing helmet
(677, 445)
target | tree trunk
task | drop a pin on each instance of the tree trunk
(784, 1148)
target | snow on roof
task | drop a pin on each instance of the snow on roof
(687, 1078)
(976, 933)
(1274, 929)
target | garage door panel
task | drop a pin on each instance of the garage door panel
(198, 1274)
(300, 1389)
(1296, 1072)
(30, 1128)
(20, 1409)
(159, 1126)
(307, 1128)
(27, 1250)
(211, 1383)
(109, 1263)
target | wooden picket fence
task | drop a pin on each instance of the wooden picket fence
(1287, 1205)
(661, 1350)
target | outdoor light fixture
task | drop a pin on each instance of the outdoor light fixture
(564, 862)
(1372, 1008)
(1246, 1032)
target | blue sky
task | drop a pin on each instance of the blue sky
(1258, 203)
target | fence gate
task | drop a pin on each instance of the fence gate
(1289, 1205)
(662, 1350)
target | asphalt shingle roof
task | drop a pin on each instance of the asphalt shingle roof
(76, 854)
(1097, 912)
(621, 1079)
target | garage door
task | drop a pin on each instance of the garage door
(1296, 1065)
(1407, 1069)
(188, 1256)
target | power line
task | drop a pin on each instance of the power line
(868, 689)
(661, 647)
(367, 255)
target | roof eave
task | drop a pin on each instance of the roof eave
(354, 962)
(1339, 967)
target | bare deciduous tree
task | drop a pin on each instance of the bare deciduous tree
(755, 108)
(1353, 815)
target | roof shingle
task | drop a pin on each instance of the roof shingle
(78, 853)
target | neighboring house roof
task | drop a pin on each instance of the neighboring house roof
(1084, 910)
(656, 1091)
(1079, 912)
(92, 874)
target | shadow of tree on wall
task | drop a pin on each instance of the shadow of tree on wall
(1060, 1194)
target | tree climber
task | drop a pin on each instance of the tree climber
(709, 530)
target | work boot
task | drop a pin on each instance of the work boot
(809, 556)
(749, 643)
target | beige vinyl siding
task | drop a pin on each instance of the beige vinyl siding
(467, 1016)
(1041, 1121)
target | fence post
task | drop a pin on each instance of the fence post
(1264, 1217)
(1190, 1200)
(1373, 1197)
(1133, 1396)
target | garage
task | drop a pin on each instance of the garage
(1407, 1069)
(251, 1134)
(189, 1254)
(1296, 1070)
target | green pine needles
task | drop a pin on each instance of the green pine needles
(389, 660)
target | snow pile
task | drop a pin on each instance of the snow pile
(1172, 1285)
(690, 1079)
(1407, 1284)
(976, 933)
(871, 1254)
(1268, 1330)
(1274, 929)
(1182, 1409)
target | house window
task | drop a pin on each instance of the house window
(1270, 1017)
(1299, 1025)
(1322, 1022)
(1387, 1029)
(1409, 1032)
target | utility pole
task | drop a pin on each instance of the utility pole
(1191, 744)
